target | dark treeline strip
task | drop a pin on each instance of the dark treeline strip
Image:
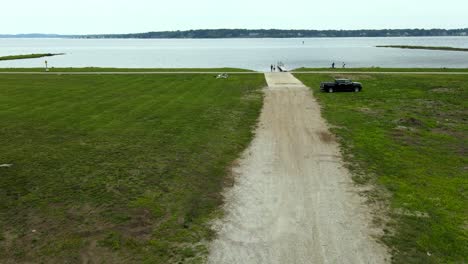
(278, 33)
(422, 47)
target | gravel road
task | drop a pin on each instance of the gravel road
(293, 201)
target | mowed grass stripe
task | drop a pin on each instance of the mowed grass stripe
(120, 168)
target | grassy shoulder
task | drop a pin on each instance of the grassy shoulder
(422, 47)
(117, 168)
(408, 134)
(378, 69)
(97, 69)
(28, 56)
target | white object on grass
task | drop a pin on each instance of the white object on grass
(222, 76)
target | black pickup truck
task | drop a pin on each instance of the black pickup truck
(340, 85)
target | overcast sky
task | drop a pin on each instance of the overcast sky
(132, 16)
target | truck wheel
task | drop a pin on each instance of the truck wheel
(356, 89)
(330, 90)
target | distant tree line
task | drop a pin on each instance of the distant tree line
(280, 33)
(264, 33)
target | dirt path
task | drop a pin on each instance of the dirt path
(293, 201)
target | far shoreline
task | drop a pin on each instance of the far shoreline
(29, 56)
(229, 70)
(423, 47)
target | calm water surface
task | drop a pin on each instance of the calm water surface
(256, 54)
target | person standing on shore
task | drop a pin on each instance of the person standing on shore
(271, 67)
(333, 65)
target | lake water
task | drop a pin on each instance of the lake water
(256, 54)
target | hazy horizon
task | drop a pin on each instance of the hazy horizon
(119, 16)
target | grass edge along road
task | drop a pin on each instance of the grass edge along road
(98, 70)
(407, 135)
(382, 70)
(118, 168)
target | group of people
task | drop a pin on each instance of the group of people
(343, 66)
(273, 68)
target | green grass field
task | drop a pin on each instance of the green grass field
(28, 56)
(97, 69)
(118, 168)
(378, 69)
(407, 134)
